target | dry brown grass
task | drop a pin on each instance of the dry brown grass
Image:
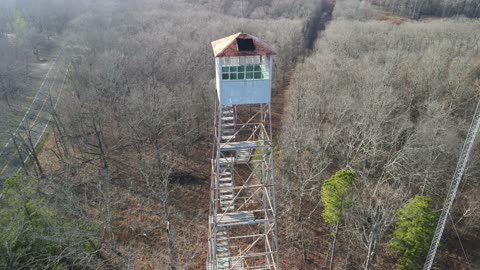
(396, 20)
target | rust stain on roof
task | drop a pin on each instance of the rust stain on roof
(228, 46)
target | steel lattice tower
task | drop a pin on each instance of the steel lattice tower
(452, 192)
(242, 221)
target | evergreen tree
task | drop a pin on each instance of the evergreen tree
(335, 193)
(34, 236)
(413, 231)
(335, 198)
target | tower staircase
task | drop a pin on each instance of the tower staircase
(242, 220)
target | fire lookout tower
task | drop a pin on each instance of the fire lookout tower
(242, 220)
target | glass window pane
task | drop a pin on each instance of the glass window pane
(233, 76)
(241, 68)
(241, 76)
(265, 75)
(249, 67)
(249, 75)
(257, 75)
(224, 69)
(257, 68)
(225, 76)
(233, 69)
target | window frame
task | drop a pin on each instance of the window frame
(256, 67)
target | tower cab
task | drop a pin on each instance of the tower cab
(243, 65)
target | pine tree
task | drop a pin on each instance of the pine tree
(335, 198)
(413, 231)
(335, 193)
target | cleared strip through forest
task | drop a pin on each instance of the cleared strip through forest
(33, 125)
(316, 23)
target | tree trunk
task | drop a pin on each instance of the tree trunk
(35, 157)
(22, 158)
(334, 242)
(371, 251)
(164, 175)
(106, 183)
(58, 125)
(171, 263)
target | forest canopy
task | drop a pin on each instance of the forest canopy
(371, 103)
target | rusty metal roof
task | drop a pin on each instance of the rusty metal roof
(228, 46)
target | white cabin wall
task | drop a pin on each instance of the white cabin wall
(236, 92)
(245, 92)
